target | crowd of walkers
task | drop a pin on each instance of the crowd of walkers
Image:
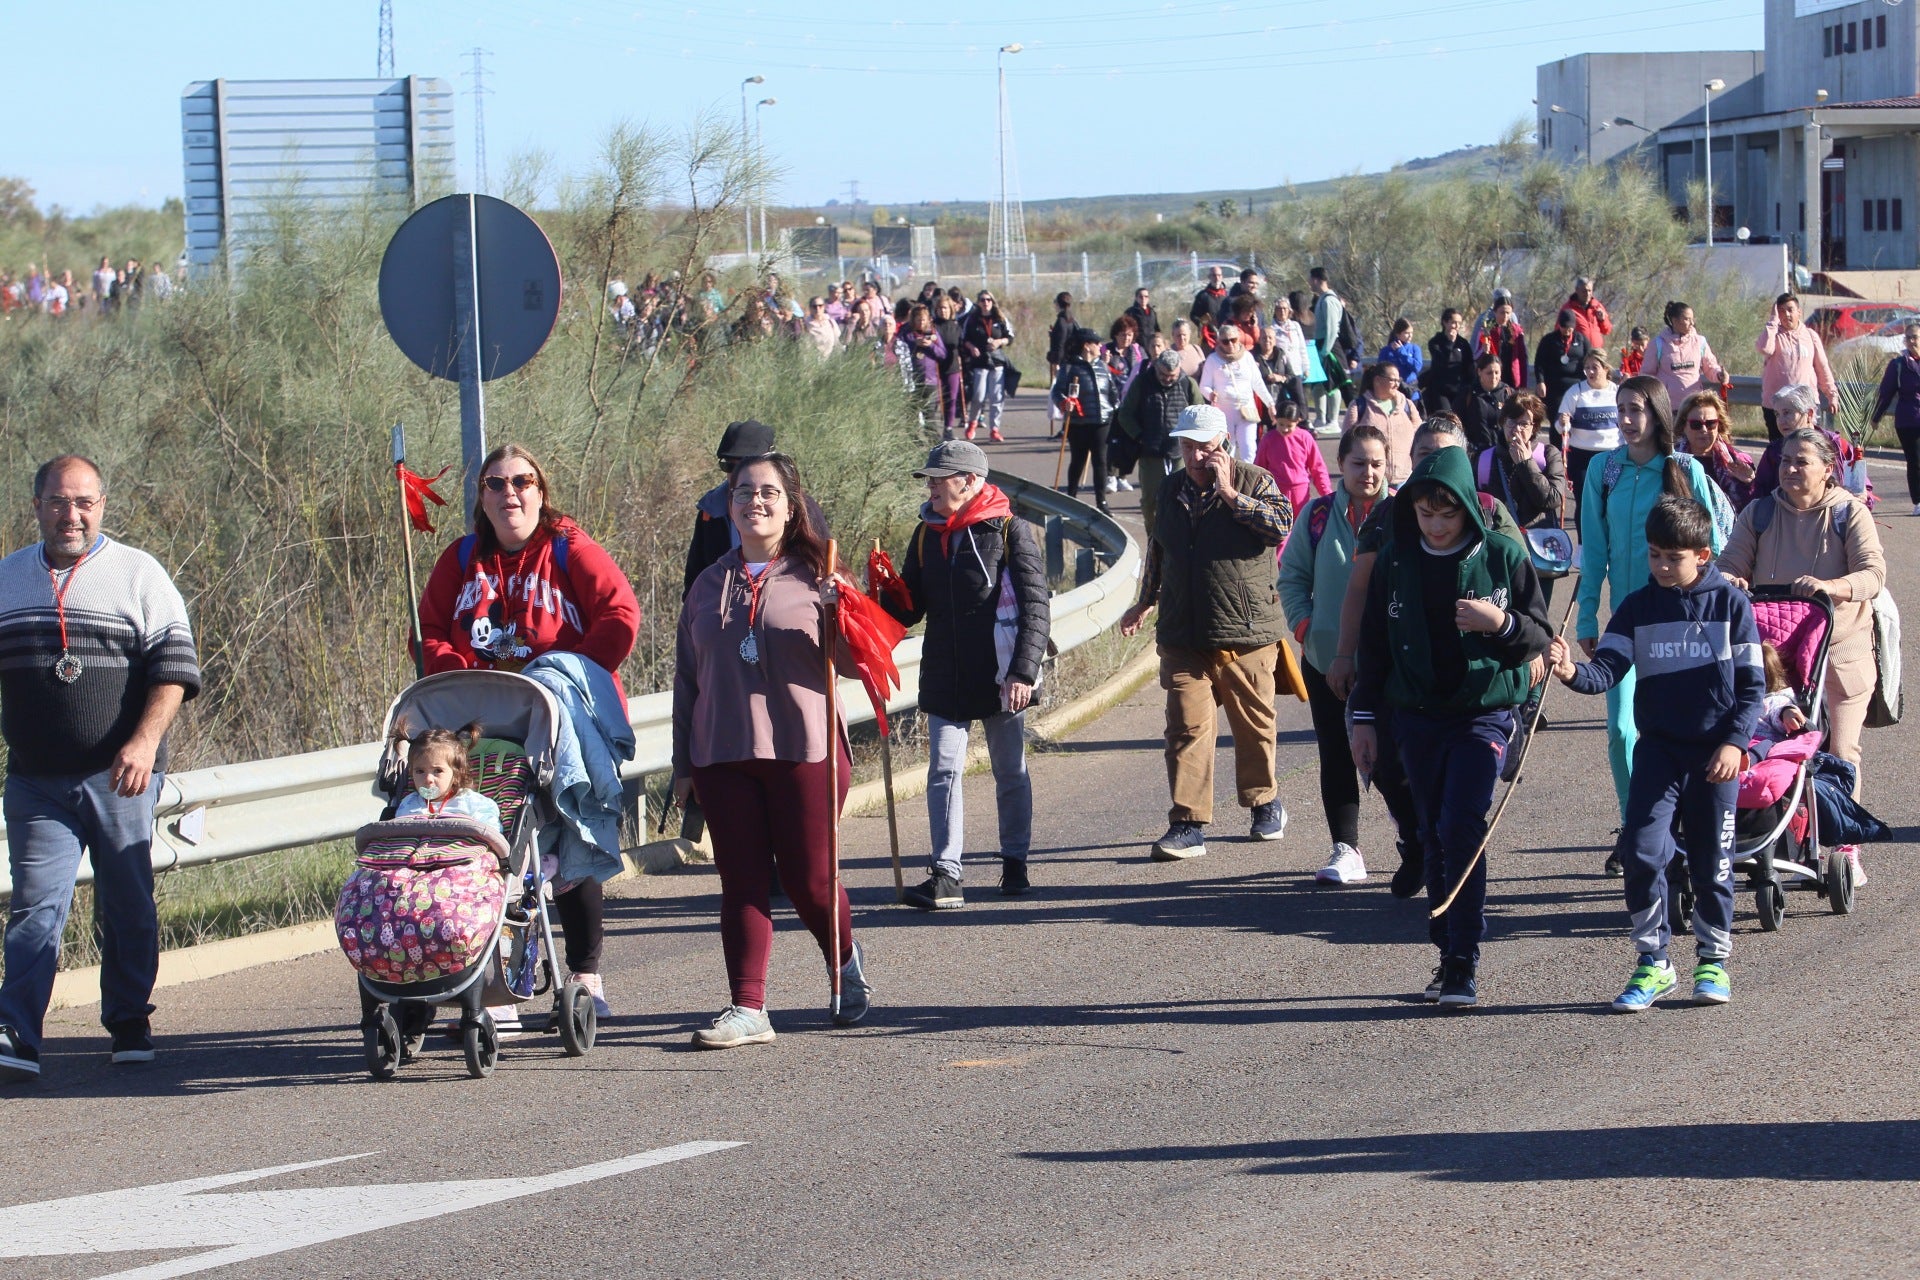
(107, 290)
(1415, 576)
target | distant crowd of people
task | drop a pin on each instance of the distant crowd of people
(106, 291)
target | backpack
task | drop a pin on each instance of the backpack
(1764, 506)
(1715, 501)
(1347, 335)
(1483, 471)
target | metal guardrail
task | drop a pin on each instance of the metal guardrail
(238, 810)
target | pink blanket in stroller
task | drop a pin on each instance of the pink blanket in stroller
(1771, 778)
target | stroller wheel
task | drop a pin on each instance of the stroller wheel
(578, 1022)
(382, 1037)
(1771, 904)
(482, 1046)
(1839, 883)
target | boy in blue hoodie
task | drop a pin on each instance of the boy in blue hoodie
(1689, 637)
(1453, 617)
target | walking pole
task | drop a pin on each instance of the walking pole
(893, 819)
(406, 541)
(1525, 747)
(829, 642)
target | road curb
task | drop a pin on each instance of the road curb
(76, 988)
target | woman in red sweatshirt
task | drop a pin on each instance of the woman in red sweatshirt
(528, 581)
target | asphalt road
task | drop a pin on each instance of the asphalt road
(1141, 1070)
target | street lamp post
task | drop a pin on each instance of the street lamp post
(1006, 227)
(760, 163)
(1559, 110)
(746, 142)
(1706, 101)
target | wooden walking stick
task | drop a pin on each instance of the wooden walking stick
(1525, 747)
(893, 819)
(829, 644)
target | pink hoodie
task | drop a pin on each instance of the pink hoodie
(1293, 460)
(1684, 365)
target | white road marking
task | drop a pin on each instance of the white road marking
(253, 1224)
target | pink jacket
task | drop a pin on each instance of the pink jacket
(1683, 365)
(1294, 461)
(1795, 356)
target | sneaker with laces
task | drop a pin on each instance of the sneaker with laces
(856, 993)
(1651, 979)
(971, 428)
(596, 989)
(1851, 852)
(18, 1059)
(1411, 875)
(1432, 994)
(1183, 840)
(1710, 983)
(1013, 878)
(132, 1041)
(1458, 989)
(1269, 821)
(1344, 866)
(938, 892)
(734, 1027)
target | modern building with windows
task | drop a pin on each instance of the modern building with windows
(1815, 142)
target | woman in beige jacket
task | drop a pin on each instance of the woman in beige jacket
(1819, 538)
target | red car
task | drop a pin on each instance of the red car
(1857, 319)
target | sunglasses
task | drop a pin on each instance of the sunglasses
(1705, 424)
(521, 483)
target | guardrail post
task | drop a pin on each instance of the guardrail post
(633, 812)
(1085, 567)
(1056, 548)
(1086, 277)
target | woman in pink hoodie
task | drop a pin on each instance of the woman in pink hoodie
(1681, 358)
(1291, 455)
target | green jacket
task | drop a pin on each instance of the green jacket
(1397, 647)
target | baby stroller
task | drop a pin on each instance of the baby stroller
(1777, 826)
(444, 911)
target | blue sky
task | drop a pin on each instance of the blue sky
(1121, 97)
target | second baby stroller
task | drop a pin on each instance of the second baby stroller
(445, 911)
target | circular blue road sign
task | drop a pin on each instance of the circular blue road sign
(517, 273)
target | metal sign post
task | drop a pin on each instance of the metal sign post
(470, 290)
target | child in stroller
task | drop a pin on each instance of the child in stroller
(442, 772)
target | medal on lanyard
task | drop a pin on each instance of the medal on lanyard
(750, 647)
(66, 668)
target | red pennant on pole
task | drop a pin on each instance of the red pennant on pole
(418, 490)
(872, 634)
(884, 582)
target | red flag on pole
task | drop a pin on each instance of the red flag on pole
(872, 635)
(884, 581)
(418, 490)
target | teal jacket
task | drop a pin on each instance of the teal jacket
(1613, 528)
(1313, 579)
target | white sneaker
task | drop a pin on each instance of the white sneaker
(1916, 508)
(734, 1027)
(1851, 852)
(591, 981)
(1112, 485)
(1344, 866)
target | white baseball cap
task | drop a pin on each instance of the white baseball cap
(1200, 422)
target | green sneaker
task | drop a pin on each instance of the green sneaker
(1651, 980)
(1710, 983)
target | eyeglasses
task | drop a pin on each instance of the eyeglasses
(747, 495)
(1705, 424)
(521, 483)
(82, 505)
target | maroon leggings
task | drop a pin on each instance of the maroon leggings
(763, 812)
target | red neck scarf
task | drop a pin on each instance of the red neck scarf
(988, 504)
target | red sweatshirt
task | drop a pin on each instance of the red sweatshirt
(586, 608)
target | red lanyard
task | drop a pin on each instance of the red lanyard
(60, 594)
(753, 592)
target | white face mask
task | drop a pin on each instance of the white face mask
(429, 791)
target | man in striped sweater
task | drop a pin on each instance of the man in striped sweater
(95, 659)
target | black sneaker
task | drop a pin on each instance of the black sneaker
(1516, 747)
(1013, 877)
(132, 1042)
(18, 1060)
(938, 892)
(1269, 821)
(1612, 865)
(1411, 876)
(1183, 840)
(1432, 994)
(1457, 987)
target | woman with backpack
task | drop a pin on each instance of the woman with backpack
(1382, 404)
(1681, 358)
(1621, 487)
(1524, 470)
(1315, 565)
(1900, 394)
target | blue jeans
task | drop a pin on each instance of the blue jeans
(985, 395)
(1452, 763)
(51, 821)
(1013, 789)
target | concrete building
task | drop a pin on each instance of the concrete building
(248, 145)
(1817, 146)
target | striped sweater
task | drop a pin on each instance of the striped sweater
(127, 628)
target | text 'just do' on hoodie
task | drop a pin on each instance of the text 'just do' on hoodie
(1412, 655)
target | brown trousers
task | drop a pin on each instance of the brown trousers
(1240, 683)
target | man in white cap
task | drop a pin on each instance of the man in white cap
(1210, 574)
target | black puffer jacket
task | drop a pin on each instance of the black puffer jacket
(958, 594)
